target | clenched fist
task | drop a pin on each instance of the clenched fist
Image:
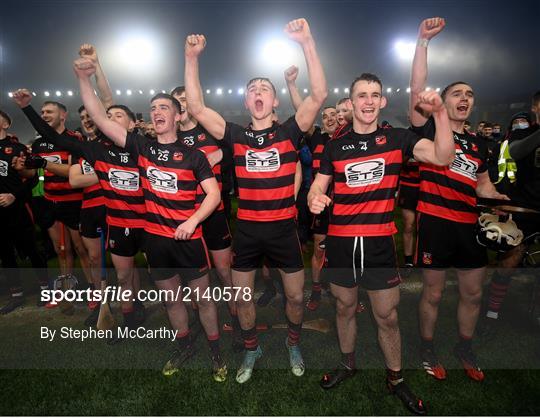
(430, 102)
(22, 97)
(88, 51)
(298, 30)
(194, 45)
(430, 27)
(318, 202)
(84, 67)
(291, 73)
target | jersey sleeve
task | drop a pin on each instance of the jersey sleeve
(232, 130)
(134, 143)
(425, 131)
(327, 167)
(201, 167)
(293, 131)
(407, 140)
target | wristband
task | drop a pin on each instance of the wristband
(423, 42)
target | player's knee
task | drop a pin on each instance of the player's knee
(295, 299)
(345, 309)
(387, 319)
(473, 296)
(318, 253)
(408, 228)
(123, 278)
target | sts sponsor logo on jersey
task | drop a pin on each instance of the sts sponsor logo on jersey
(364, 173)
(163, 181)
(87, 168)
(462, 165)
(124, 180)
(4, 166)
(257, 161)
(53, 159)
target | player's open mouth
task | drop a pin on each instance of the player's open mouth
(368, 110)
(158, 122)
(259, 105)
(463, 108)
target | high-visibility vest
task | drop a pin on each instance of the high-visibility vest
(506, 164)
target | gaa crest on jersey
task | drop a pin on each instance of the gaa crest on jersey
(364, 173)
(56, 159)
(463, 166)
(4, 167)
(124, 179)
(380, 140)
(8, 150)
(178, 156)
(201, 137)
(87, 168)
(427, 258)
(474, 147)
(262, 161)
(162, 181)
(271, 135)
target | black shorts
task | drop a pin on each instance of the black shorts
(93, 221)
(277, 241)
(367, 261)
(46, 213)
(216, 232)
(408, 197)
(442, 243)
(320, 222)
(168, 257)
(125, 242)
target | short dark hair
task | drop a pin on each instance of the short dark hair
(343, 100)
(80, 109)
(536, 98)
(327, 107)
(449, 86)
(488, 125)
(178, 90)
(126, 109)
(5, 116)
(57, 104)
(175, 102)
(250, 82)
(369, 77)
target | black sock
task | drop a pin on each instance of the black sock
(465, 343)
(394, 377)
(183, 340)
(235, 322)
(250, 339)
(426, 344)
(213, 343)
(408, 259)
(349, 360)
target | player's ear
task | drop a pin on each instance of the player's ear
(349, 105)
(245, 103)
(275, 103)
(383, 102)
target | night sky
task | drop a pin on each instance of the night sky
(491, 44)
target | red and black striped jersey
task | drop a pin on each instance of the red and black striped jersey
(199, 138)
(57, 188)
(365, 170)
(170, 174)
(316, 143)
(450, 192)
(118, 176)
(265, 165)
(410, 174)
(10, 180)
(92, 195)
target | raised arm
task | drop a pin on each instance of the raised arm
(212, 121)
(441, 151)
(298, 30)
(523, 147)
(291, 74)
(427, 30)
(84, 68)
(104, 90)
